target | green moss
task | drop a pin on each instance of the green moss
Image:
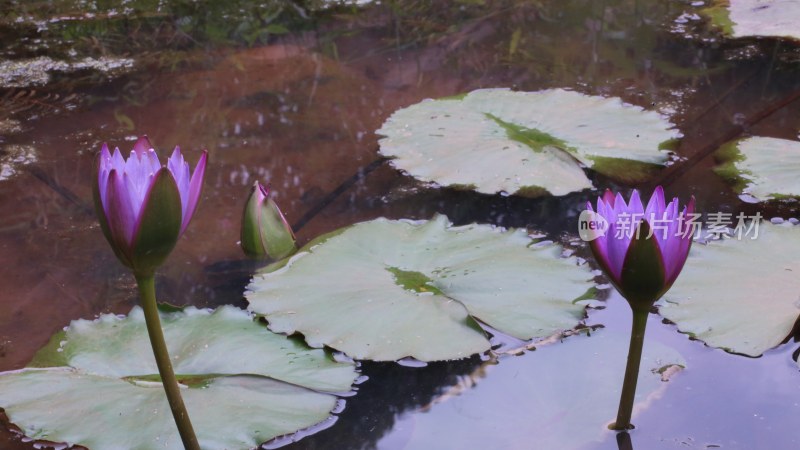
(191, 381)
(455, 97)
(463, 187)
(590, 294)
(537, 140)
(670, 144)
(726, 157)
(624, 170)
(719, 15)
(413, 281)
(532, 191)
(51, 355)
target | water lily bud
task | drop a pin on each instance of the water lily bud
(644, 249)
(265, 231)
(144, 207)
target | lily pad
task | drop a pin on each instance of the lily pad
(743, 18)
(525, 143)
(739, 295)
(761, 167)
(560, 396)
(96, 384)
(388, 289)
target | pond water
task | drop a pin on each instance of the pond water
(292, 95)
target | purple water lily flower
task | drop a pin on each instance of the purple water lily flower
(644, 248)
(144, 207)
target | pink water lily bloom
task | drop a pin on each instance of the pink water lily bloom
(144, 207)
(644, 248)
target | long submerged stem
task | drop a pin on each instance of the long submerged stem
(631, 370)
(148, 293)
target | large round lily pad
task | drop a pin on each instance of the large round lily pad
(97, 385)
(742, 18)
(740, 295)
(387, 289)
(525, 143)
(562, 396)
(762, 167)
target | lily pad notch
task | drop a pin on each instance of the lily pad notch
(389, 289)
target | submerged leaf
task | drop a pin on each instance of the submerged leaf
(385, 289)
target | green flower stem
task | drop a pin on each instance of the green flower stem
(148, 292)
(631, 370)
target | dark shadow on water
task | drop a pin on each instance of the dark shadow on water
(390, 391)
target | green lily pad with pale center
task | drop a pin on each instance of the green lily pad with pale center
(96, 384)
(763, 168)
(739, 295)
(526, 143)
(389, 289)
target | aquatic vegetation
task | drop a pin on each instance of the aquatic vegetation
(143, 208)
(421, 288)
(735, 271)
(642, 251)
(470, 309)
(761, 168)
(265, 231)
(526, 143)
(746, 18)
(97, 385)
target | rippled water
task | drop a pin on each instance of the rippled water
(297, 107)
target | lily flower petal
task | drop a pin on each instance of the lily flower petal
(158, 226)
(142, 145)
(119, 212)
(195, 188)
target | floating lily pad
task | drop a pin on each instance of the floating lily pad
(96, 384)
(742, 18)
(388, 289)
(562, 396)
(525, 143)
(739, 295)
(761, 167)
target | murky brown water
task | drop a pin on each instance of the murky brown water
(299, 111)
